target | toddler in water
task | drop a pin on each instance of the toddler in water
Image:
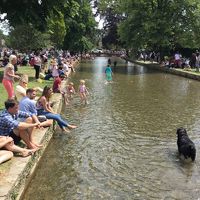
(69, 92)
(83, 92)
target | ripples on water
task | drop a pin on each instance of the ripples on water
(125, 145)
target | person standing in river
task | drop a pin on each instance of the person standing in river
(83, 92)
(109, 61)
(109, 73)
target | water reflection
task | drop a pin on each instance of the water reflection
(125, 145)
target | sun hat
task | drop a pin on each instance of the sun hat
(24, 78)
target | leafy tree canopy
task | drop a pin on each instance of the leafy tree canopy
(61, 19)
(81, 29)
(160, 23)
(26, 37)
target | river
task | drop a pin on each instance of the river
(125, 143)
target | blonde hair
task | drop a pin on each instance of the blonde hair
(12, 57)
(82, 81)
(70, 83)
(24, 78)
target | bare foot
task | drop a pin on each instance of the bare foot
(28, 152)
(66, 103)
(38, 145)
(71, 126)
(65, 130)
(32, 146)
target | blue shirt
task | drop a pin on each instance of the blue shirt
(27, 105)
(9, 122)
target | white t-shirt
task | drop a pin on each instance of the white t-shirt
(20, 92)
(177, 56)
(65, 68)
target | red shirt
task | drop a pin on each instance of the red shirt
(56, 85)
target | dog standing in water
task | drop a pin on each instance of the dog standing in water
(186, 147)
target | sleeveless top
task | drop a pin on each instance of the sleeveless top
(82, 89)
(9, 67)
(39, 105)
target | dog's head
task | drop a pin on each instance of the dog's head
(181, 132)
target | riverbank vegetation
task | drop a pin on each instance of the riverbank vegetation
(153, 25)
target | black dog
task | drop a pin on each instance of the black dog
(186, 147)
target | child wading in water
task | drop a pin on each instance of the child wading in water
(83, 92)
(69, 92)
(109, 73)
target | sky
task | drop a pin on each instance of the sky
(4, 25)
(100, 22)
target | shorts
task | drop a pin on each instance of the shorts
(15, 138)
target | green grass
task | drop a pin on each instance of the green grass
(32, 82)
(191, 71)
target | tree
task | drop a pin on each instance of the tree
(30, 11)
(26, 37)
(110, 13)
(68, 21)
(56, 28)
(160, 24)
(81, 28)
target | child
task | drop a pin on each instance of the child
(69, 92)
(109, 73)
(83, 92)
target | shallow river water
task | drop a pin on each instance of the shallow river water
(125, 143)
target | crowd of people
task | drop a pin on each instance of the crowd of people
(23, 113)
(176, 60)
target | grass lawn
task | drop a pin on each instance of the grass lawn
(190, 71)
(32, 82)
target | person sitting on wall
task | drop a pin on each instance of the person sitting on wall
(44, 108)
(57, 83)
(7, 147)
(10, 125)
(27, 104)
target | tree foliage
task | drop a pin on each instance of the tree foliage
(56, 28)
(81, 28)
(160, 23)
(112, 16)
(70, 23)
(26, 37)
(151, 24)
